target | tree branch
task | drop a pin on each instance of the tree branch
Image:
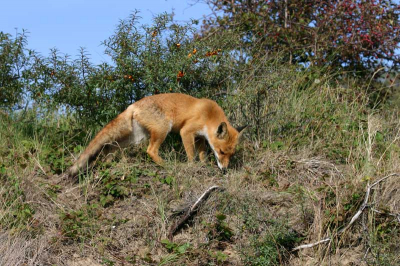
(354, 218)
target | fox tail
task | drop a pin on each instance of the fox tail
(117, 130)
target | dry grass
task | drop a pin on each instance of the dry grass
(287, 191)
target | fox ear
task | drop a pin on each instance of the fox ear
(222, 130)
(241, 130)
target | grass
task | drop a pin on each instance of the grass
(299, 176)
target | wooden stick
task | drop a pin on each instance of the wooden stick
(191, 211)
(354, 218)
(396, 215)
(312, 244)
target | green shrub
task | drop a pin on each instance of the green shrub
(16, 213)
(273, 248)
(116, 186)
(80, 225)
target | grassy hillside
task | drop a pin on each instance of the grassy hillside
(299, 176)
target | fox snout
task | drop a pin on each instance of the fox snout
(221, 167)
(223, 164)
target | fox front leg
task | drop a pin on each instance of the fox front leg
(188, 135)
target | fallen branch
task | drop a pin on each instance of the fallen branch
(354, 218)
(396, 215)
(312, 244)
(365, 203)
(191, 211)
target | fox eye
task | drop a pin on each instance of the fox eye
(223, 153)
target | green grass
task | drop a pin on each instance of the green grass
(299, 175)
(16, 212)
(271, 249)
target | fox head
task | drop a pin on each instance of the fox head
(223, 142)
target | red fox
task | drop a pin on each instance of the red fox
(196, 120)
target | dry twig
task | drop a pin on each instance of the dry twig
(354, 218)
(191, 211)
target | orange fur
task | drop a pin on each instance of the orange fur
(196, 120)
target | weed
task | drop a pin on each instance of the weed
(266, 184)
(219, 230)
(219, 257)
(51, 190)
(17, 213)
(116, 186)
(80, 225)
(273, 248)
(174, 247)
(108, 262)
(175, 251)
(382, 249)
(168, 180)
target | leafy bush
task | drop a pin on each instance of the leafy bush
(15, 62)
(352, 35)
(160, 58)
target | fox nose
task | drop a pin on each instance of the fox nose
(222, 167)
(224, 171)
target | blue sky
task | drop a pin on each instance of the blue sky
(70, 24)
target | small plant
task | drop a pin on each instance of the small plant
(51, 190)
(54, 158)
(219, 256)
(116, 186)
(169, 180)
(272, 249)
(108, 262)
(219, 230)
(175, 251)
(17, 212)
(174, 247)
(269, 178)
(81, 224)
(274, 146)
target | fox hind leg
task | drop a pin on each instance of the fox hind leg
(139, 133)
(200, 144)
(156, 139)
(158, 130)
